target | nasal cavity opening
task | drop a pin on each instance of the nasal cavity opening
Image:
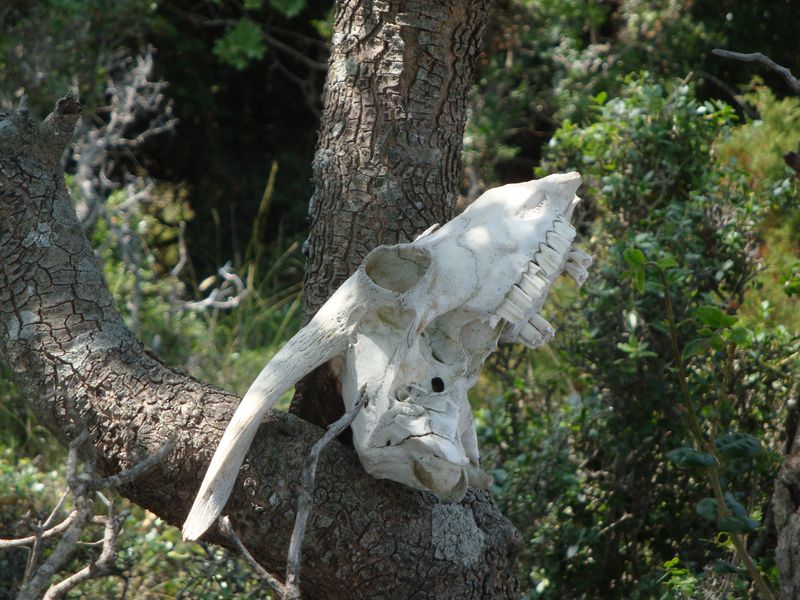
(437, 385)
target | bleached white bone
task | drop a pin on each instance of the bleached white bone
(411, 328)
(320, 340)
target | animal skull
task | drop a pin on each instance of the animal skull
(410, 329)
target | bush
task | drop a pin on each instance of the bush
(585, 471)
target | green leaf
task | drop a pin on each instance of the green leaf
(634, 257)
(689, 457)
(714, 317)
(240, 44)
(600, 98)
(666, 262)
(791, 287)
(638, 280)
(738, 524)
(722, 567)
(738, 445)
(695, 347)
(707, 508)
(289, 8)
(741, 336)
(739, 521)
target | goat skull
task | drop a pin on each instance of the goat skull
(410, 329)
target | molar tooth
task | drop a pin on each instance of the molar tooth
(564, 229)
(577, 272)
(543, 326)
(531, 336)
(533, 286)
(557, 241)
(519, 297)
(548, 259)
(533, 269)
(579, 257)
(509, 311)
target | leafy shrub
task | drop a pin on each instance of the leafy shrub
(586, 472)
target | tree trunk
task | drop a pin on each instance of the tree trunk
(388, 161)
(80, 368)
(786, 506)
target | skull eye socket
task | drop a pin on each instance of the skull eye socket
(397, 268)
(437, 385)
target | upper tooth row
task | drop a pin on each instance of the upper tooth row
(532, 285)
(520, 298)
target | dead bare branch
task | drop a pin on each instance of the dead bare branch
(97, 568)
(83, 486)
(305, 501)
(765, 60)
(44, 535)
(229, 294)
(227, 530)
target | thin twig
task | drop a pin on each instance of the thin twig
(765, 60)
(306, 498)
(38, 576)
(183, 253)
(62, 552)
(103, 565)
(128, 475)
(27, 541)
(296, 54)
(230, 293)
(227, 530)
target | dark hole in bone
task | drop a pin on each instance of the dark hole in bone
(397, 268)
(437, 385)
(388, 443)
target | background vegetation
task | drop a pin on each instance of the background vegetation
(197, 205)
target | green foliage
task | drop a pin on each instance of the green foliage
(550, 60)
(241, 44)
(48, 47)
(758, 146)
(289, 8)
(610, 476)
(689, 457)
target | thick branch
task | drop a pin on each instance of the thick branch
(82, 368)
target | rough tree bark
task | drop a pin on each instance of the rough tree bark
(786, 506)
(80, 367)
(388, 160)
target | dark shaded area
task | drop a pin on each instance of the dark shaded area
(234, 123)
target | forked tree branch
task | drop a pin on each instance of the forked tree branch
(82, 368)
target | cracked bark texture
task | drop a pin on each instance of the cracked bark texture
(786, 507)
(80, 367)
(388, 161)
